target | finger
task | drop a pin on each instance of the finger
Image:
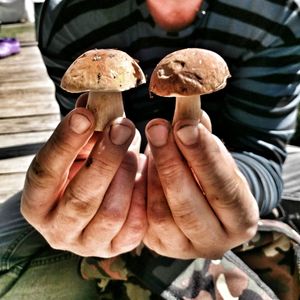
(48, 171)
(85, 192)
(163, 233)
(85, 151)
(158, 210)
(188, 205)
(76, 166)
(111, 214)
(135, 145)
(82, 100)
(225, 187)
(87, 148)
(132, 232)
(83, 154)
(205, 121)
(117, 227)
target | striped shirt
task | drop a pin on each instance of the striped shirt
(259, 39)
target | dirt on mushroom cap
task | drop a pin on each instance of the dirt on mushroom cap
(106, 70)
(190, 71)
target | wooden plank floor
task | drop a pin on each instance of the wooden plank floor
(28, 115)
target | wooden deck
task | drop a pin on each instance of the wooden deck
(28, 114)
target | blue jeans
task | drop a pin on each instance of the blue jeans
(30, 269)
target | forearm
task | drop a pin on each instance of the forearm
(264, 178)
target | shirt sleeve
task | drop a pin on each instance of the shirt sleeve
(261, 111)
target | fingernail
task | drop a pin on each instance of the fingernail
(79, 123)
(188, 135)
(119, 134)
(158, 135)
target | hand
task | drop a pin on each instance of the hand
(198, 203)
(82, 191)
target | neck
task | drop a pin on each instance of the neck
(173, 15)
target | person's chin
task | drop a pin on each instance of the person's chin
(173, 25)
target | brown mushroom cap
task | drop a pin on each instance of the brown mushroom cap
(106, 70)
(187, 72)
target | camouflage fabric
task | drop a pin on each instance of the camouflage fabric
(274, 254)
(265, 266)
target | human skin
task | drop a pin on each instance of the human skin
(173, 14)
(83, 190)
(197, 198)
(96, 195)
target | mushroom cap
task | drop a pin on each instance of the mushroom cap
(106, 70)
(188, 72)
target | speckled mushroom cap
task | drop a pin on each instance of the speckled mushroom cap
(187, 72)
(107, 70)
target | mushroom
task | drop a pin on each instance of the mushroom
(187, 74)
(104, 73)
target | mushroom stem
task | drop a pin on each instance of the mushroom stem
(187, 107)
(105, 106)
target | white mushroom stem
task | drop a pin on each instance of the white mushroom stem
(187, 107)
(106, 106)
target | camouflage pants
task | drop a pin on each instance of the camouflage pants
(273, 254)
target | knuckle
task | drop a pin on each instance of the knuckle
(39, 175)
(57, 245)
(185, 216)
(137, 230)
(56, 240)
(112, 216)
(79, 201)
(231, 193)
(92, 246)
(31, 212)
(206, 154)
(106, 165)
(84, 252)
(89, 246)
(248, 231)
(243, 233)
(169, 168)
(158, 215)
(60, 239)
(61, 144)
(119, 248)
(152, 242)
(129, 163)
(27, 214)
